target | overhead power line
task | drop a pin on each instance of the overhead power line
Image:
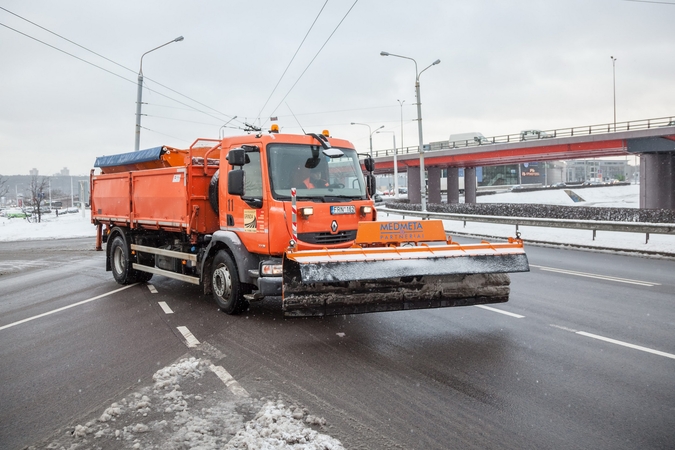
(650, 1)
(293, 58)
(111, 61)
(315, 56)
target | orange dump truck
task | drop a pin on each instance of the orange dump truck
(282, 215)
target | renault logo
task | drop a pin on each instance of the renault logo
(334, 226)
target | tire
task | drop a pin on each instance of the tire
(227, 289)
(119, 262)
(213, 192)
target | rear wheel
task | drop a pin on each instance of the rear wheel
(119, 259)
(227, 289)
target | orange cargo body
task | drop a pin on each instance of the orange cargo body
(170, 198)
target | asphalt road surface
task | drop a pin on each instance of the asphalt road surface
(581, 357)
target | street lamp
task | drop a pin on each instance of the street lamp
(401, 102)
(614, 87)
(371, 134)
(223, 128)
(140, 92)
(423, 186)
(393, 134)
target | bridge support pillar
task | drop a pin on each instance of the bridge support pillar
(452, 183)
(657, 180)
(434, 184)
(414, 194)
(470, 185)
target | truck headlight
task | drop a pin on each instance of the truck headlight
(270, 269)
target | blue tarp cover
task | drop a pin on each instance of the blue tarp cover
(141, 156)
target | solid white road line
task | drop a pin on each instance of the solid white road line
(189, 337)
(165, 308)
(626, 344)
(229, 381)
(614, 341)
(67, 307)
(517, 316)
(596, 276)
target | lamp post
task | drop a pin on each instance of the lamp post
(423, 190)
(393, 134)
(223, 128)
(371, 134)
(614, 87)
(401, 102)
(140, 93)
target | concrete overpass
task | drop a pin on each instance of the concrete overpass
(652, 139)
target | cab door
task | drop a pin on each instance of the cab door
(246, 214)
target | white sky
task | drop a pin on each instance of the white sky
(505, 66)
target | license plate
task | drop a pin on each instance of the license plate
(343, 209)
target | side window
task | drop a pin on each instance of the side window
(253, 179)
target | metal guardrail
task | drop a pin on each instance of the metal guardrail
(557, 133)
(593, 225)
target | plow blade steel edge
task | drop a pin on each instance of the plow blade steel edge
(366, 280)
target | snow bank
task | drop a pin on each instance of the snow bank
(188, 406)
(70, 225)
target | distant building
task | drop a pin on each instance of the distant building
(597, 169)
(64, 172)
(33, 172)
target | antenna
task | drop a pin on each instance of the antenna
(296, 119)
(249, 127)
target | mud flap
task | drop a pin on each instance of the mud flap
(363, 280)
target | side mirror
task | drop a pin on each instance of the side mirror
(236, 157)
(235, 181)
(371, 185)
(369, 163)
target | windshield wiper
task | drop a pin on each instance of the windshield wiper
(340, 198)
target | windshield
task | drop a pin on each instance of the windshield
(313, 174)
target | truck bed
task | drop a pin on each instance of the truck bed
(170, 198)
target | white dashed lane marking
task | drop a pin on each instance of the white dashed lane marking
(489, 308)
(189, 337)
(152, 288)
(165, 308)
(229, 381)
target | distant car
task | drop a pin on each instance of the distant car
(559, 185)
(466, 139)
(15, 213)
(517, 187)
(377, 198)
(527, 135)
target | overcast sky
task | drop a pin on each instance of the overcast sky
(505, 66)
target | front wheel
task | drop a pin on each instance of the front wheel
(227, 289)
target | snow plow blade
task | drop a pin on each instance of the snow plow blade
(391, 277)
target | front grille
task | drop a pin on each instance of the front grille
(325, 238)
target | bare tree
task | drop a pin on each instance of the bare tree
(37, 188)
